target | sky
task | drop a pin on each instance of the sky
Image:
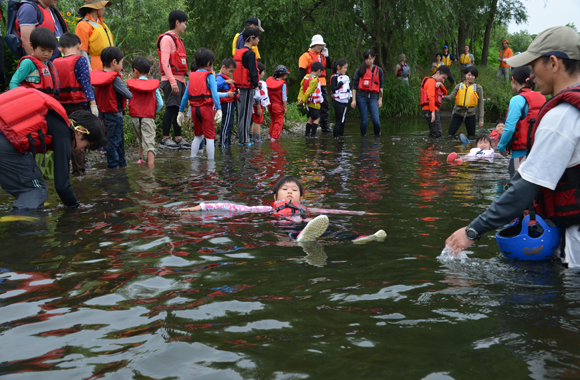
(543, 14)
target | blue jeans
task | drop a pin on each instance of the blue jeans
(364, 106)
(116, 146)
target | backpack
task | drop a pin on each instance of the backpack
(12, 40)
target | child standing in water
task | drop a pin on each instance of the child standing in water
(341, 93)
(288, 194)
(311, 95)
(261, 101)
(278, 101)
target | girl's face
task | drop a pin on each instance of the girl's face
(289, 192)
(342, 69)
(499, 128)
(470, 78)
(101, 12)
(483, 145)
(514, 85)
(369, 61)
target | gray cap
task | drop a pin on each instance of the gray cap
(561, 41)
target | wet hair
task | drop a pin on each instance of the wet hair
(472, 70)
(229, 62)
(340, 62)
(522, 76)
(501, 120)
(362, 69)
(250, 32)
(109, 54)
(175, 16)
(482, 138)
(316, 66)
(261, 68)
(440, 56)
(444, 70)
(43, 37)
(284, 180)
(141, 64)
(97, 136)
(69, 40)
(571, 66)
(203, 57)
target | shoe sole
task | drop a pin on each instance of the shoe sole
(314, 229)
(380, 235)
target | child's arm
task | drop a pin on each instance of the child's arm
(121, 88)
(24, 70)
(185, 98)
(211, 84)
(83, 76)
(220, 206)
(159, 101)
(480, 105)
(285, 97)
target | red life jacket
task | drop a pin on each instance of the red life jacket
(177, 59)
(46, 20)
(535, 101)
(232, 89)
(199, 94)
(242, 74)
(23, 119)
(144, 101)
(370, 82)
(283, 207)
(70, 89)
(275, 90)
(49, 83)
(317, 58)
(105, 94)
(425, 96)
(563, 203)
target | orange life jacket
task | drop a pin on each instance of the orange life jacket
(535, 101)
(177, 59)
(49, 83)
(144, 101)
(242, 74)
(232, 89)
(283, 207)
(71, 91)
(370, 82)
(105, 94)
(275, 90)
(199, 94)
(23, 119)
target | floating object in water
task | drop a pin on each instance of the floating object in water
(17, 218)
(380, 235)
(453, 159)
(463, 139)
(314, 229)
(528, 239)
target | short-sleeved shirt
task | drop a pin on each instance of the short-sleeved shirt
(306, 60)
(28, 15)
(505, 54)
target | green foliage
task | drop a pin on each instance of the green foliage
(519, 41)
(400, 99)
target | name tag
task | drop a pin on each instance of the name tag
(183, 61)
(45, 72)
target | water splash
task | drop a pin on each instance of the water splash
(449, 255)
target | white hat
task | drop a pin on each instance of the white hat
(317, 40)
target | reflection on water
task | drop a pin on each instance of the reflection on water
(129, 288)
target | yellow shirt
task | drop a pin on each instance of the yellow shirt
(312, 86)
(254, 48)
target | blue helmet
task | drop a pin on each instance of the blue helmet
(537, 240)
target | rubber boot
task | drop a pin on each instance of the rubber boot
(308, 127)
(314, 128)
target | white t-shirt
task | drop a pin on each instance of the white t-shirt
(481, 153)
(556, 147)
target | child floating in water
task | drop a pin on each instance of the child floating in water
(495, 135)
(288, 193)
(483, 150)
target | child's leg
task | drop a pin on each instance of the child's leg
(148, 130)
(277, 123)
(315, 125)
(314, 229)
(245, 114)
(210, 148)
(150, 158)
(308, 126)
(227, 124)
(195, 145)
(115, 137)
(208, 129)
(380, 235)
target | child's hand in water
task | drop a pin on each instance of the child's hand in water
(195, 208)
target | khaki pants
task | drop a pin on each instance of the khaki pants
(503, 72)
(145, 133)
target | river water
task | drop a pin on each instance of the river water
(129, 288)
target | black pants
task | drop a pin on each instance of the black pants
(435, 130)
(457, 120)
(340, 113)
(21, 177)
(2, 79)
(169, 118)
(324, 108)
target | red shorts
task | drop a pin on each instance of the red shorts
(203, 122)
(258, 119)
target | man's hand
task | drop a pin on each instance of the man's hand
(458, 241)
(480, 124)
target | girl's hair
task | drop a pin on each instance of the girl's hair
(362, 69)
(481, 138)
(440, 56)
(284, 180)
(204, 57)
(500, 121)
(472, 70)
(193, 66)
(522, 76)
(341, 62)
(96, 136)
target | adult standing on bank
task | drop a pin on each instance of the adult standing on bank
(27, 18)
(447, 59)
(318, 53)
(173, 65)
(402, 70)
(503, 71)
(466, 60)
(552, 165)
(95, 35)
(238, 43)
(367, 92)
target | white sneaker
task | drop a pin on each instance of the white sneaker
(314, 229)
(380, 235)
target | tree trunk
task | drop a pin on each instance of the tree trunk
(485, 50)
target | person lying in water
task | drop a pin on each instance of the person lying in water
(288, 194)
(483, 149)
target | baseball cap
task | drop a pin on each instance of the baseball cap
(445, 47)
(255, 21)
(561, 41)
